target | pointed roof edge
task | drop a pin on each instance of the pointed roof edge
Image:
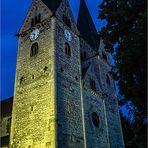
(86, 26)
(84, 5)
(87, 69)
(53, 7)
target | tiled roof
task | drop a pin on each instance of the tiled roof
(86, 26)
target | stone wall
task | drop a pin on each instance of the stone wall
(33, 117)
(96, 136)
(111, 103)
(110, 112)
(53, 105)
(69, 107)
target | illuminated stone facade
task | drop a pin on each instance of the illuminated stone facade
(64, 96)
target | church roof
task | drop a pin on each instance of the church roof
(52, 4)
(86, 26)
(6, 107)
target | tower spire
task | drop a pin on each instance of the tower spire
(86, 26)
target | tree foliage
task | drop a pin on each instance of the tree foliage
(125, 37)
(135, 135)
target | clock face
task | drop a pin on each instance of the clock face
(34, 34)
(68, 35)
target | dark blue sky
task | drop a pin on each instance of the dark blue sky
(13, 13)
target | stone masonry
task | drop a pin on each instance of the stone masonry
(64, 95)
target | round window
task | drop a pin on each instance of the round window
(95, 119)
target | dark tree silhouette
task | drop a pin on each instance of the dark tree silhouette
(124, 36)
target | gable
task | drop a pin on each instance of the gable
(37, 7)
(90, 74)
(65, 10)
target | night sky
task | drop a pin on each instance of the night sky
(13, 13)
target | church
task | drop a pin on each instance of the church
(64, 96)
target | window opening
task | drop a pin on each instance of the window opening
(34, 49)
(31, 108)
(45, 68)
(76, 78)
(95, 119)
(66, 20)
(107, 80)
(32, 22)
(21, 80)
(36, 20)
(39, 18)
(33, 77)
(67, 49)
(92, 84)
(62, 69)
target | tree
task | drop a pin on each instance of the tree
(125, 37)
(134, 135)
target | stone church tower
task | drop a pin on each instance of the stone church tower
(64, 96)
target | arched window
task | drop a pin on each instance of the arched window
(39, 18)
(36, 20)
(95, 119)
(34, 49)
(67, 49)
(32, 22)
(66, 20)
(107, 80)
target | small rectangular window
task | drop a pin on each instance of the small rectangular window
(67, 49)
(67, 21)
(34, 49)
(31, 108)
(36, 20)
(39, 18)
(32, 22)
